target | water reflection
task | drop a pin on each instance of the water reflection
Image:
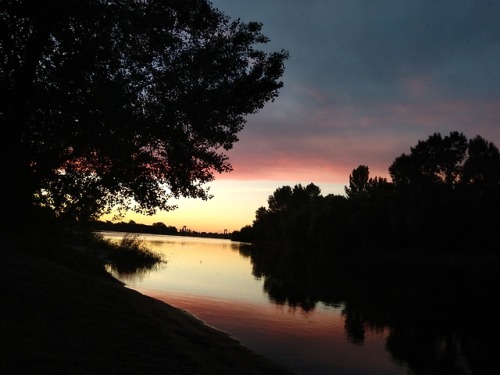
(440, 313)
(335, 314)
(133, 274)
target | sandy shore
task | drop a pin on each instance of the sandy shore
(57, 320)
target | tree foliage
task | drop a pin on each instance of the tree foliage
(435, 161)
(444, 196)
(124, 103)
(481, 168)
(358, 181)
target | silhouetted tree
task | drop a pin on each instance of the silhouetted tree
(444, 197)
(358, 181)
(435, 161)
(482, 167)
(289, 213)
(444, 191)
(123, 103)
(280, 199)
(264, 225)
(245, 234)
(329, 226)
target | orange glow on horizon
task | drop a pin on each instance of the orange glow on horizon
(233, 206)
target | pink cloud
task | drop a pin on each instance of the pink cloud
(418, 86)
(325, 144)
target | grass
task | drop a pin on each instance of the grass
(126, 256)
(131, 255)
(91, 253)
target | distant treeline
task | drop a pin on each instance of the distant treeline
(444, 197)
(155, 228)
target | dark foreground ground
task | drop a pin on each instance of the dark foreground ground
(58, 320)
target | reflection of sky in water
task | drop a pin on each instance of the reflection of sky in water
(206, 267)
(212, 280)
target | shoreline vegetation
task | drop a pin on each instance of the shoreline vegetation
(155, 228)
(124, 256)
(63, 317)
(443, 197)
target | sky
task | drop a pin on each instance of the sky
(364, 82)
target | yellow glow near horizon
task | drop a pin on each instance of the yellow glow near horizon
(233, 206)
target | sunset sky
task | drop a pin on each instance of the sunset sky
(365, 81)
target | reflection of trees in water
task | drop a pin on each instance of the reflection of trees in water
(130, 273)
(157, 243)
(236, 247)
(440, 312)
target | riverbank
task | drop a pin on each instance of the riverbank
(56, 319)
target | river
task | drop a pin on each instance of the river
(224, 284)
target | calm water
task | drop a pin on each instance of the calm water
(313, 324)
(211, 279)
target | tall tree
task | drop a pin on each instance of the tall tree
(358, 181)
(435, 161)
(280, 200)
(122, 102)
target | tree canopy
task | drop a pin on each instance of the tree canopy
(435, 161)
(443, 197)
(123, 103)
